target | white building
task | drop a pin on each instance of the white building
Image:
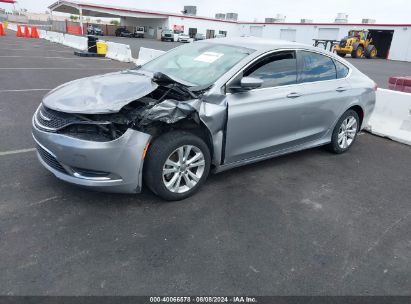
(392, 40)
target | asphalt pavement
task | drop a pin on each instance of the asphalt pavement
(310, 223)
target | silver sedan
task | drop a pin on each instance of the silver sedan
(208, 106)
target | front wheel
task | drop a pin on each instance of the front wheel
(177, 164)
(345, 132)
(357, 52)
(371, 52)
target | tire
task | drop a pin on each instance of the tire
(358, 51)
(165, 149)
(336, 146)
(341, 54)
(371, 52)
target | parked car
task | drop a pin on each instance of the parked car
(219, 36)
(93, 30)
(123, 32)
(139, 32)
(208, 106)
(167, 35)
(199, 36)
(184, 38)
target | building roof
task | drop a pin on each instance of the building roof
(72, 7)
(95, 10)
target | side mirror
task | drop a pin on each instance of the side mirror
(249, 83)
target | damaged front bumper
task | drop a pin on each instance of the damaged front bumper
(112, 166)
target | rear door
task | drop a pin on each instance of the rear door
(325, 91)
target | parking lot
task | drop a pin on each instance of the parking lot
(310, 223)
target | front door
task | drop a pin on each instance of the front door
(264, 120)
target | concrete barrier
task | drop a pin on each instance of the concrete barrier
(145, 55)
(42, 34)
(12, 26)
(118, 51)
(55, 37)
(76, 42)
(392, 116)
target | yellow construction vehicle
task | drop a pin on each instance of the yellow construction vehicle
(358, 43)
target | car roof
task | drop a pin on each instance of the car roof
(259, 44)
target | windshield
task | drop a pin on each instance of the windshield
(198, 63)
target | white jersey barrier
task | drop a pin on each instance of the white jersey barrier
(55, 37)
(118, 51)
(145, 55)
(42, 34)
(76, 42)
(392, 116)
(12, 26)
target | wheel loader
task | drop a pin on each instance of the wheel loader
(358, 43)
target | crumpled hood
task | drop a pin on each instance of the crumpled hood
(99, 94)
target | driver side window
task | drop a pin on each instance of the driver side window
(276, 69)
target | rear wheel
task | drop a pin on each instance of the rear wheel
(177, 164)
(341, 54)
(345, 132)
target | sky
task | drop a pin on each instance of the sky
(393, 11)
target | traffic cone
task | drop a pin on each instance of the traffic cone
(34, 32)
(2, 31)
(19, 33)
(26, 31)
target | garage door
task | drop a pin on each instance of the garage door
(328, 33)
(256, 31)
(289, 35)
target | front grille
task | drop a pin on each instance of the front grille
(50, 120)
(50, 160)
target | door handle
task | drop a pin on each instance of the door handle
(294, 95)
(341, 89)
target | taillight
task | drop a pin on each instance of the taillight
(375, 86)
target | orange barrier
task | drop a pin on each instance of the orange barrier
(76, 30)
(2, 31)
(26, 32)
(19, 33)
(34, 32)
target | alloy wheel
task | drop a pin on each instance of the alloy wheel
(183, 169)
(347, 132)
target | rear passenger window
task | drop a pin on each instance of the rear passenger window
(342, 70)
(276, 70)
(315, 67)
